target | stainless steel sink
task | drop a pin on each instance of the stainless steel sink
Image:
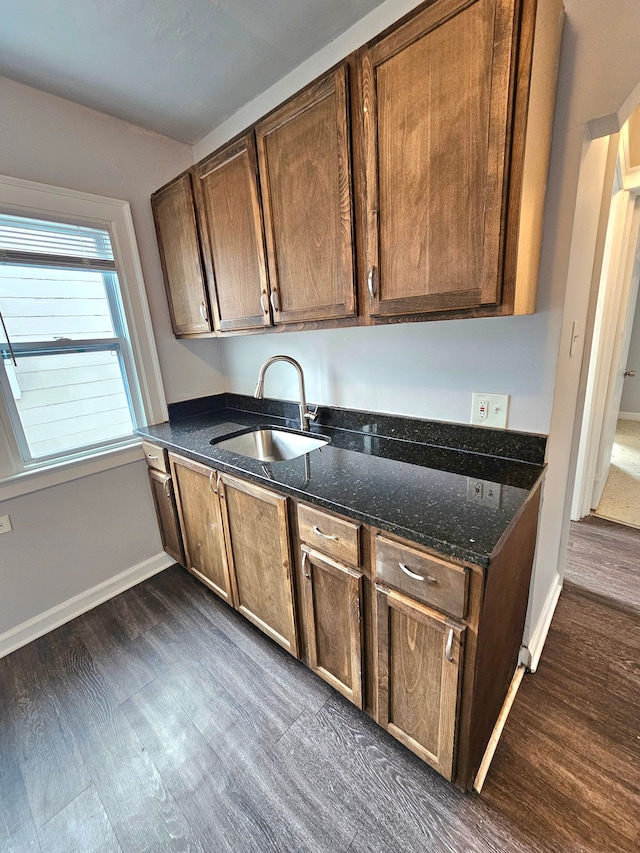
(271, 445)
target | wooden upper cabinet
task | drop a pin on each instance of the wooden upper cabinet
(228, 201)
(305, 175)
(177, 233)
(436, 109)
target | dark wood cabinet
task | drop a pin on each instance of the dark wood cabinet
(304, 158)
(176, 230)
(259, 551)
(232, 232)
(407, 184)
(437, 97)
(333, 619)
(419, 663)
(167, 514)
(197, 497)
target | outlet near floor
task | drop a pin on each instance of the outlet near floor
(490, 409)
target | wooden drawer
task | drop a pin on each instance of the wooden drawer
(334, 536)
(428, 579)
(156, 457)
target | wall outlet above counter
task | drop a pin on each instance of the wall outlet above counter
(490, 410)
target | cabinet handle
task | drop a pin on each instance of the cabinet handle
(371, 282)
(319, 532)
(629, 373)
(447, 650)
(167, 489)
(275, 302)
(215, 491)
(264, 303)
(427, 578)
(305, 570)
(151, 456)
(203, 312)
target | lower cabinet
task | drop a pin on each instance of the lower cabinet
(259, 551)
(165, 504)
(426, 645)
(196, 488)
(333, 617)
(419, 661)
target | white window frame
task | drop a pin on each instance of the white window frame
(41, 201)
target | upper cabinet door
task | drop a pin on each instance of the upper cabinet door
(305, 175)
(436, 101)
(174, 215)
(228, 201)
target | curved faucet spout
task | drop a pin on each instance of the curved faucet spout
(305, 414)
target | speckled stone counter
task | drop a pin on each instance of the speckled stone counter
(416, 478)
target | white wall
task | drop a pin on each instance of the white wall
(630, 401)
(69, 538)
(430, 369)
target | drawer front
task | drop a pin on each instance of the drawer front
(336, 537)
(156, 457)
(428, 579)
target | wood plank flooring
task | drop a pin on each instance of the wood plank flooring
(603, 559)
(162, 720)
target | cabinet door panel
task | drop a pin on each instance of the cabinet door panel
(332, 596)
(305, 174)
(164, 502)
(419, 660)
(260, 555)
(228, 201)
(201, 523)
(175, 219)
(437, 99)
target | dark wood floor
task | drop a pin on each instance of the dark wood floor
(162, 720)
(603, 559)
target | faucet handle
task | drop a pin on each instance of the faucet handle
(312, 415)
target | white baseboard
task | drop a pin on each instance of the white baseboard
(90, 598)
(629, 416)
(530, 654)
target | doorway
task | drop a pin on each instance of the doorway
(604, 537)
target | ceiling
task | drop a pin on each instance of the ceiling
(179, 67)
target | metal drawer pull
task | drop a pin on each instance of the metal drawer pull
(215, 491)
(203, 312)
(416, 577)
(447, 651)
(151, 456)
(167, 489)
(319, 532)
(264, 303)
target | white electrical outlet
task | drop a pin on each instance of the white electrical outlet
(5, 524)
(490, 409)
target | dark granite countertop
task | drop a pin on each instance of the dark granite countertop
(452, 487)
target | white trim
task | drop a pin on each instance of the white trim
(629, 416)
(531, 653)
(496, 734)
(64, 472)
(28, 198)
(87, 600)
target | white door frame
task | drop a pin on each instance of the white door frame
(610, 344)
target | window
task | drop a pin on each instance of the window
(70, 355)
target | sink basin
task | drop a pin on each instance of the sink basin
(271, 445)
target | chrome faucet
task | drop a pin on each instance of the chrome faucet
(305, 414)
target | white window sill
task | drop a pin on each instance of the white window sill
(57, 473)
